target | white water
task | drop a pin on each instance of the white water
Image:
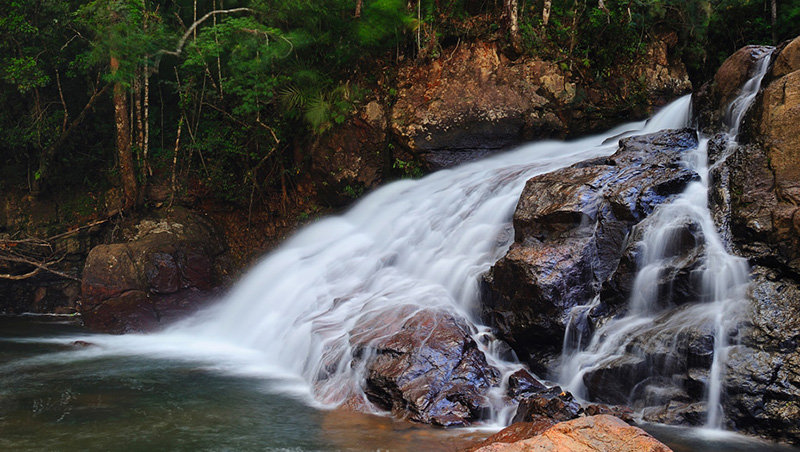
(722, 283)
(409, 246)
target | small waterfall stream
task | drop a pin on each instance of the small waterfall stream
(721, 283)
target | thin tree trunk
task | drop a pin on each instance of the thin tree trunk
(175, 161)
(359, 5)
(546, 12)
(145, 145)
(126, 168)
(137, 103)
(146, 171)
(774, 23)
(512, 22)
(219, 59)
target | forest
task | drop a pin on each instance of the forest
(220, 99)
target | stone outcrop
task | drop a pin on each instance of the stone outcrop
(426, 368)
(710, 102)
(352, 158)
(586, 434)
(755, 201)
(167, 263)
(571, 228)
(474, 100)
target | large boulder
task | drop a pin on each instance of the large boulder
(166, 263)
(755, 201)
(426, 367)
(571, 228)
(587, 434)
(762, 375)
(476, 100)
(711, 101)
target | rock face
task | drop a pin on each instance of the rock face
(552, 403)
(352, 158)
(426, 369)
(586, 434)
(571, 228)
(475, 101)
(760, 210)
(167, 264)
(711, 100)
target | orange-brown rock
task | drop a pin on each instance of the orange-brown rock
(601, 433)
(517, 431)
(475, 100)
(765, 175)
(788, 59)
(711, 100)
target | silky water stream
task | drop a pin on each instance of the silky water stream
(242, 375)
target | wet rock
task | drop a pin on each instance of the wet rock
(521, 383)
(665, 360)
(676, 413)
(623, 412)
(571, 232)
(429, 370)
(593, 433)
(762, 375)
(677, 279)
(553, 403)
(710, 102)
(166, 263)
(81, 344)
(756, 202)
(765, 174)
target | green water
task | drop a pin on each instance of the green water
(51, 400)
(59, 396)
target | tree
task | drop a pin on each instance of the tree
(546, 12)
(511, 16)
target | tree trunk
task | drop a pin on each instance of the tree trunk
(359, 5)
(774, 18)
(510, 11)
(546, 12)
(126, 168)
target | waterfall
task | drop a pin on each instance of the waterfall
(408, 246)
(721, 283)
(415, 244)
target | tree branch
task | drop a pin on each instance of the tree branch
(39, 266)
(190, 30)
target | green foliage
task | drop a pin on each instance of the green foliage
(408, 170)
(254, 87)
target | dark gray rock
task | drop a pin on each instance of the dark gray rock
(571, 236)
(427, 368)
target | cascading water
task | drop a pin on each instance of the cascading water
(653, 327)
(409, 246)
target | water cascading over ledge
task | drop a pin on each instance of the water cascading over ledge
(379, 308)
(627, 309)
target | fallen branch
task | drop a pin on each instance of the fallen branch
(39, 266)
